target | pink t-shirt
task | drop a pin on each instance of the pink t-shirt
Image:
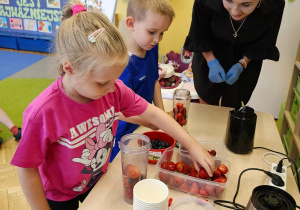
(69, 142)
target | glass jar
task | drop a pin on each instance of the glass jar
(181, 104)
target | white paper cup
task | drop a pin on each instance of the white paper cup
(150, 194)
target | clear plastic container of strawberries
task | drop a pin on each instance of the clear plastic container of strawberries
(178, 172)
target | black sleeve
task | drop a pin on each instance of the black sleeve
(264, 47)
(200, 37)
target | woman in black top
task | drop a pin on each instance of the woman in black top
(230, 39)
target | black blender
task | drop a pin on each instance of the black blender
(241, 130)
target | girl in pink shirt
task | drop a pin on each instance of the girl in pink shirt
(69, 129)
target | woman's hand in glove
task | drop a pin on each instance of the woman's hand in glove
(216, 72)
(233, 74)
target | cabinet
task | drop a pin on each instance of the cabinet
(290, 128)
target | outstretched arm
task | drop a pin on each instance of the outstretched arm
(165, 122)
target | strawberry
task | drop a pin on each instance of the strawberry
(186, 169)
(183, 111)
(126, 182)
(164, 165)
(203, 192)
(222, 168)
(184, 187)
(179, 166)
(171, 182)
(219, 191)
(175, 111)
(132, 171)
(202, 173)
(179, 117)
(163, 177)
(178, 180)
(211, 190)
(179, 105)
(182, 122)
(216, 174)
(171, 166)
(194, 189)
(221, 179)
(194, 174)
(129, 192)
(213, 153)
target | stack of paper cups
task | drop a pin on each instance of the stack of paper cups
(150, 194)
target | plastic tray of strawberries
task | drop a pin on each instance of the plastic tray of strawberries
(189, 182)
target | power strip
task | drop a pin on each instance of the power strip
(282, 175)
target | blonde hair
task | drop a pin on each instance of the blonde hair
(138, 8)
(72, 41)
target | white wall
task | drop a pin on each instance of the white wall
(275, 77)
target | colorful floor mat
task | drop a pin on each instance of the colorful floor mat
(13, 62)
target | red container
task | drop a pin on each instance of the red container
(155, 154)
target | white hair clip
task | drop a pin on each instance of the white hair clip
(92, 37)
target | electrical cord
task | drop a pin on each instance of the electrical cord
(239, 206)
(272, 153)
(292, 161)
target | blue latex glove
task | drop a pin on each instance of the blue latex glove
(233, 74)
(216, 72)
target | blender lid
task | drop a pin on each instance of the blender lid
(244, 112)
(267, 197)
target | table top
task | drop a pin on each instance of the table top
(206, 123)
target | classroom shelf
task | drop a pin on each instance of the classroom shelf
(292, 105)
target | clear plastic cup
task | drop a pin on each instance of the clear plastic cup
(134, 155)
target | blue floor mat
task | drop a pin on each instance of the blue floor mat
(12, 62)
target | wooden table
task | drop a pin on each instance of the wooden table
(206, 123)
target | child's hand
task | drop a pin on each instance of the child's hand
(199, 155)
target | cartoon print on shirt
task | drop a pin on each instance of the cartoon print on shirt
(96, 154)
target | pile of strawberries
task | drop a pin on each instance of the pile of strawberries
(179, 113)
(177, 181)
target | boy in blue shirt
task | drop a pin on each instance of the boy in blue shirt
(143, 29)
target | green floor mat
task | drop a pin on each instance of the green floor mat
(15, 95)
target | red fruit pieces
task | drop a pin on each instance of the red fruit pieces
(128, 182)
(179, 105)
(186, 169)
(184, 187)
(202, 173)
(179, 166)
(203, 192)
(132, 171)
(216, 174)
(179, 117)
(179, 113)
(129, 192)
(212, 152)
(164, 177)
(182, 122)
(171, 166)
(221, 179)
(164, 165)
(194, 189)
(177, 180)
(222, 168)
(211, 190)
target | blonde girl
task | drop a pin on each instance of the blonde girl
(69, 129)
